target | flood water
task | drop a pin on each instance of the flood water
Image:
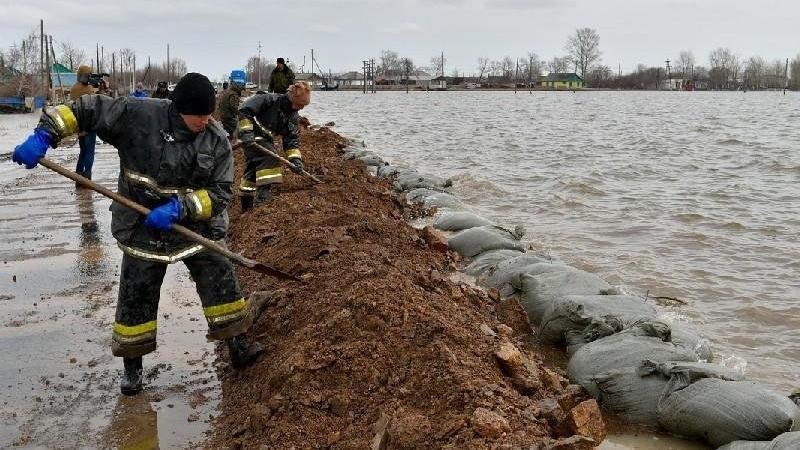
(692, 195)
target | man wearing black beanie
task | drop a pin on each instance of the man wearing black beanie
(176, 161)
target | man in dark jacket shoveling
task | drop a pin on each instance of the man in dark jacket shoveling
(178, 163)
(278, 114)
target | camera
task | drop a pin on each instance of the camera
(96, 78)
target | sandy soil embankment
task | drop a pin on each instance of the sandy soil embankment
(380, 344)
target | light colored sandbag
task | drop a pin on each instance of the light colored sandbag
(408, 180)
(371, 160)
(505, 276)
(575, 313)
(541, 289)
(475, 241)
(459, 220)
(486, 260)
(624, 350)
(721, 411)
(634, 393)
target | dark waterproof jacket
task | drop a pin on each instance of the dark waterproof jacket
(275, 113)
(228, 108)
(160, 157)
(280, 80)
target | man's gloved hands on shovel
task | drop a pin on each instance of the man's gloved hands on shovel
(162, 217)
(35, 147)
(297, 165)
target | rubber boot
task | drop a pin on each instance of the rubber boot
(242, 352)
(263, 195)
(247, 202)
(131, 383)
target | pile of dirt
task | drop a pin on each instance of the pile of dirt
(378, 347)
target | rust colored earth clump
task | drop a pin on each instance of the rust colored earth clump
(378, 347)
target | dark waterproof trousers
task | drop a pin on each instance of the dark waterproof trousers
(261, 169)
(135, 325)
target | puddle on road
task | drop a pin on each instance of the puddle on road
(59, 269)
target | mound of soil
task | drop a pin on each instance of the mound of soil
(378, 347)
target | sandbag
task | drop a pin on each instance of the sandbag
(746, 445)
(459, 220)
(624, 350)
(786, 441)
(371, 160)
(721, 411)
(477, 240)
(541, 289)
(387, 171)
(682, 335)
(408, 180)
(505, 275)
(634, 393)
(486, 260)
(357, 153)
(574, 313)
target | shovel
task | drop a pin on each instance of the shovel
(269, 152)
(180, 229)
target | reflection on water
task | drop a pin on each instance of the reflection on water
(134, 424)
(92, 260)
(690, 195)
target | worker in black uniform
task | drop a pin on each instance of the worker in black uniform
(278, 114)
(177, 162)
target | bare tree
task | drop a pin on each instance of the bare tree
(794, 67)
(530, 67)
(437, 64)
(583, 48)
(754, 72)
(389, 63)
(483, 66)
(684, 64)
(256, 66)
(724, 70)
(558, 64)
(72, 56)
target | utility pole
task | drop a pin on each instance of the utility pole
(516, 74)
(42, 71)
(47, 61)
(669, 75)
(97, 51)
(364, 68)
(259, 64)
(114, 70)
(786, 77)
(169, 68)
(102, 58)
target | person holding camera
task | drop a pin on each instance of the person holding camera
(86, 140)
(161, 90)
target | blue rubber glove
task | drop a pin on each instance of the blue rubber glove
(162, 217)
(32, 149)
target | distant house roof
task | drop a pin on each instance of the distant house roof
(62, 77)
(567, 76)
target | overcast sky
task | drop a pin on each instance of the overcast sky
(215, 37)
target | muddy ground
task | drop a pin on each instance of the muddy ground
(378, 345)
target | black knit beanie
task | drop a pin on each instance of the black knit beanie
(194, 95)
